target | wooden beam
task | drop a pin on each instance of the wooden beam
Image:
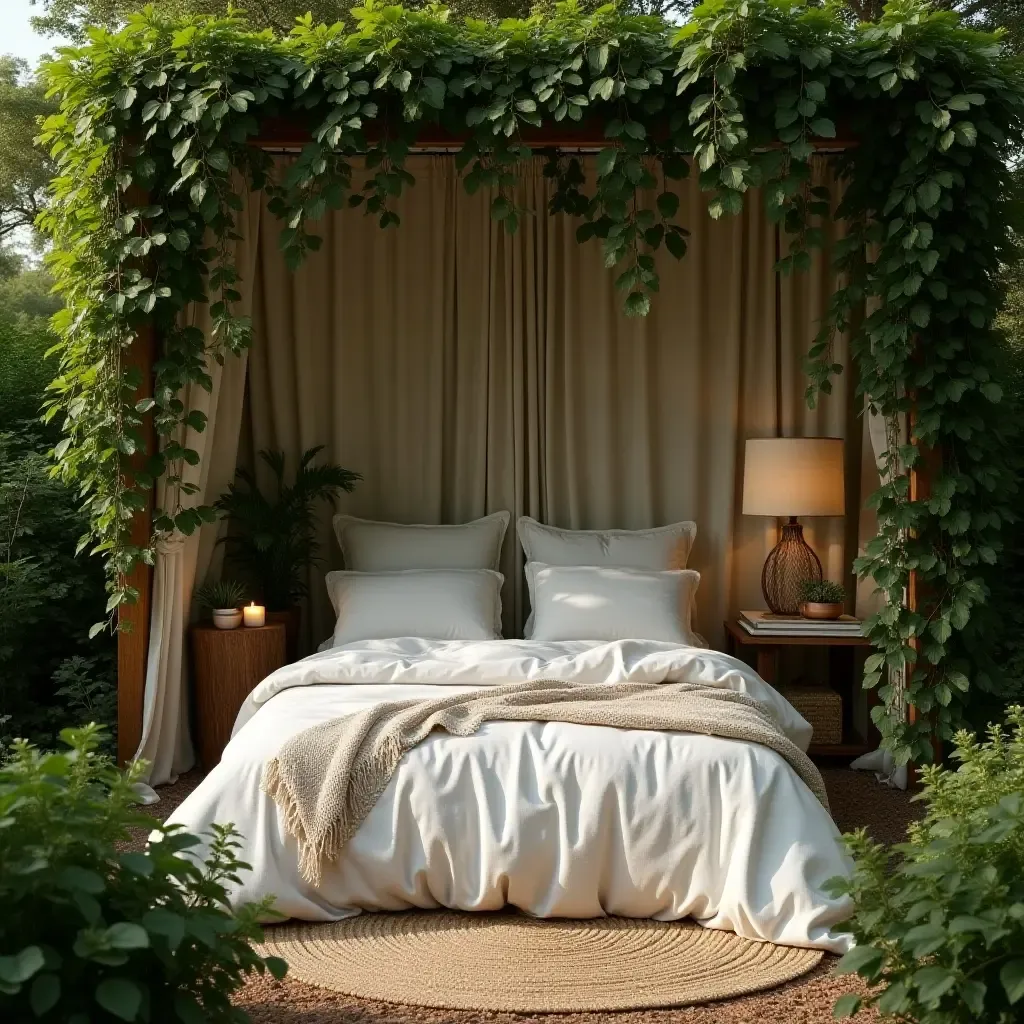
(133, 619)
(296, 132)
(928, 466)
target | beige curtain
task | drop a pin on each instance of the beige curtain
(464, 371)
(182, 561)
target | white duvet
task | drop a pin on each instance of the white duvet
(558, 820)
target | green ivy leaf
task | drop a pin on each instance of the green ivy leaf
(125, 97)
(17, 969)
(605, 162)
(638, 304)
(668, 204)
(180, 148)
(966, 133)
(127, 935)
(1011, 976)
(44, 994)
(676, 244)
(929, 193)
(120, 996)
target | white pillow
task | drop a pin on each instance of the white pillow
(591, 602)
(435, 604)
(663, 547)
(370, 546)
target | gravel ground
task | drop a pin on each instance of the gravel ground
(856, 801)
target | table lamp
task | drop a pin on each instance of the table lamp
(792, 476)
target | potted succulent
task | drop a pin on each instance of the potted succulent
(224, 599)
(271, 536)
(821, 599)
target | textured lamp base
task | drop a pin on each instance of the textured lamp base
(788, 566)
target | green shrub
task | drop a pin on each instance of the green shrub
(92, 935)
(941, 930)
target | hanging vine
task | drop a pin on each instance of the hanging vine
(154, 127)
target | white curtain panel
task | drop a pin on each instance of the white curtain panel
(181, 561)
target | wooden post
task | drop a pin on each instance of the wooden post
(133, 619)
(921, 475)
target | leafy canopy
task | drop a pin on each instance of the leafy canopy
(742, 94)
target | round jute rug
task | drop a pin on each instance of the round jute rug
(521, 964)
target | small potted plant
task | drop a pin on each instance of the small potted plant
(224, 600)
(821, 599)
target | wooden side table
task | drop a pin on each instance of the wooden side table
(226, 666)
(841, 658)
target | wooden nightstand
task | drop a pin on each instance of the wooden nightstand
(226, 666)
(841, 664)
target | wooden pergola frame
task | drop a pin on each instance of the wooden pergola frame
(285, 134)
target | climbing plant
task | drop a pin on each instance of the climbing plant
(154, 127)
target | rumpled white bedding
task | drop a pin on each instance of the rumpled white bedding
(559, 820)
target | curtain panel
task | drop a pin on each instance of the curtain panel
(182, 561)
(462, 371)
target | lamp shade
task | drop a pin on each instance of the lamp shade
(794, 476)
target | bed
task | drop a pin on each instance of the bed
(555, 819)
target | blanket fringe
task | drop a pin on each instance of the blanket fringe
(311, 854)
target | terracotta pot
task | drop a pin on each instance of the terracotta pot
(227, 618)
(817, 610)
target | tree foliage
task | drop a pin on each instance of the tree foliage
(984, 14)
(743, 92)
(70, 18)
(25, 169)
(49, 671)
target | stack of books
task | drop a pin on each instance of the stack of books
(770, 624)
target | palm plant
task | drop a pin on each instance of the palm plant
(273, 537)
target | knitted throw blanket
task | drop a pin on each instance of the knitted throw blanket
(326, 779)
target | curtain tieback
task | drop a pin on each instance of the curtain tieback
(172, 543)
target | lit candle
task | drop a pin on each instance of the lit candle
(254, 614)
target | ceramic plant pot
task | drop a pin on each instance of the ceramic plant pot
(817, 610)
(227, 618)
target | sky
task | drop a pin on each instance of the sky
(16, 35)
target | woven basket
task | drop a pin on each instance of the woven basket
(822, 707)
